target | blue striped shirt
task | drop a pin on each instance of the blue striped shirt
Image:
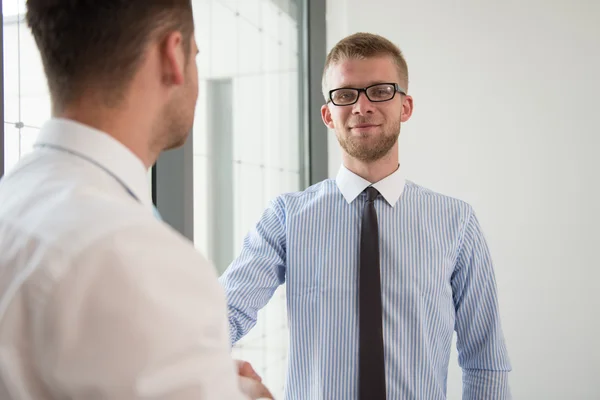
(436, 275)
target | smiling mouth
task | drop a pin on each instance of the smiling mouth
(364, 126)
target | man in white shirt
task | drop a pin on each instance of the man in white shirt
(98, 298)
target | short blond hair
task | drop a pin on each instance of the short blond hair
(365, 45)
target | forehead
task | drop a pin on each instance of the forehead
(362, 72)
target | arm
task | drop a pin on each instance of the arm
(482, 352)
(253, 277)
(139, 315)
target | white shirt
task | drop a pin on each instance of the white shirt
(98, 299)
(351, 185)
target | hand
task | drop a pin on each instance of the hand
(254, 389)
(250, 382)
(245, 369)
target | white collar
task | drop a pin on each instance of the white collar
(351, 185)
(101, 149)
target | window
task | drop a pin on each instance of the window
(26, 96)
(247, 140)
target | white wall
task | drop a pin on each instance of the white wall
(507, 98)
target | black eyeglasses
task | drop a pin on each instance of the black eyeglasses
(375, 93)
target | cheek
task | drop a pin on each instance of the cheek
(339, 117)
(391, 114)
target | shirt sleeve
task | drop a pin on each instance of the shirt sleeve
(482, 352)
(140, 315)
(252, 279)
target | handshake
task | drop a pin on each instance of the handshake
(251, 383)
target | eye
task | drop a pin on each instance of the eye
(343, 93)
(381, 91)
(344, 96)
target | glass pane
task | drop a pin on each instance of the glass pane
(250, 46)
(12, 144)
(248, 119)
(223, 41)
(11, 8)
(250, 11)
(26, 96)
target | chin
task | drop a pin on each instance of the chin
(174, 141)
(177, 142)
(365, 140)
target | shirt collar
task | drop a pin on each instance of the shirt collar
(351, 185)
(100, 149)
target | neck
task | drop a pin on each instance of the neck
(121, 124)
(376, 170)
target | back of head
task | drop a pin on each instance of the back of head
(98, 44)
(365, 45)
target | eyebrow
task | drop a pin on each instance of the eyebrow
(378, 82)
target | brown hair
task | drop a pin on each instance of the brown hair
(365, 45)
(100, 43)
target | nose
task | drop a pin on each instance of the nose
(363, 105)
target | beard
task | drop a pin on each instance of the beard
(369, 147)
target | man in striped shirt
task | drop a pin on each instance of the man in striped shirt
(380, 271)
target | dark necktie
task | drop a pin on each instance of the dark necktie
(371, 379)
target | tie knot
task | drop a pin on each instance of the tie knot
(372, 193)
